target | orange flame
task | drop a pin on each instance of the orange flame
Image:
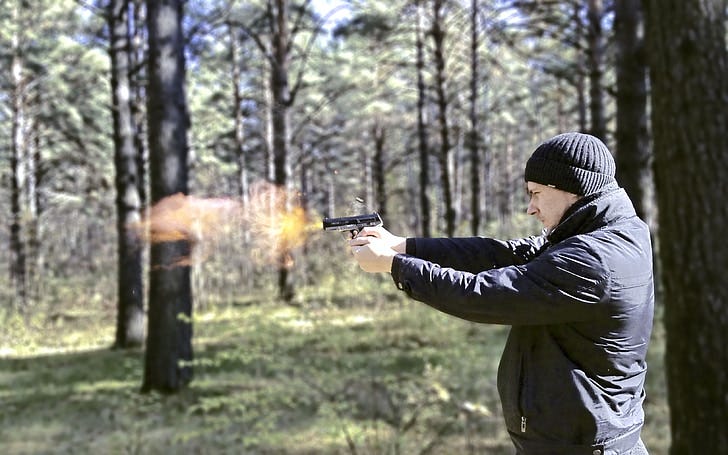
(180, 217)
(277, 222)
(274, 218)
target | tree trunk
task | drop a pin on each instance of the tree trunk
(474, 137)
(17, 164)
(505, 208)
(367, 181)
(130, 306)
(137, 79)
(456, 171)
(34, 265)
(633, 154)
(280, 114)
(595, 59)
(281, 92)
(580, 71)
(380, 136)
(438, 38)
(239, 141)
(689, 80)
(423, 146)
(169, 340)
(239, 132)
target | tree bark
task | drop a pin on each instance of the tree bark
(18, 266)
(137, 79)
(379, 134)
(34, 264)
(238, 122)
(633, 154)
(169, 339)
(689, 80)
(438, 38)
(280, 122)
(595, 59)
(580, 72)
(281, 91)
(130, 305)
(474, 136)
(423, 146)
(239, 141)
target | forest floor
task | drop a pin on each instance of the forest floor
(350, 375)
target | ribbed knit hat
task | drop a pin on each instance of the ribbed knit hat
(574, 162)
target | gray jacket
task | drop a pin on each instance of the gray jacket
(580, 303)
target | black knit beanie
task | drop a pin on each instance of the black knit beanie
(574, 162)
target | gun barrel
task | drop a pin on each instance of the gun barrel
(346, 223)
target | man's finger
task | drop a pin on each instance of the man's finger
(370, 232)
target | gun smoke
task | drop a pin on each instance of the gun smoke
(272, 221)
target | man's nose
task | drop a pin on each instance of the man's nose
(531, 209)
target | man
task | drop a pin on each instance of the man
(579, 299)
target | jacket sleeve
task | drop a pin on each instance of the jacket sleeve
(475, 254)
(564, 284)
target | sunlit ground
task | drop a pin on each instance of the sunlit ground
(344, 375)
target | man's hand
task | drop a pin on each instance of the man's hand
(375, 247)
(394, 242)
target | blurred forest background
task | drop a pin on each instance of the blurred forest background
(165, 169)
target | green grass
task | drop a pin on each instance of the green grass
(379, 376)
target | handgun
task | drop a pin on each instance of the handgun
(352, 224)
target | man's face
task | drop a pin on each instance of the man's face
(548, 204)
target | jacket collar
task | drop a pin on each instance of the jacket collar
(593, 212)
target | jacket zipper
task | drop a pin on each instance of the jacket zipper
(522, 394)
